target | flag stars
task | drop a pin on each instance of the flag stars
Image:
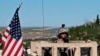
(16, 14)
(16, 17)
(15, 27)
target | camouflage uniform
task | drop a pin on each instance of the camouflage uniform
(64, 51)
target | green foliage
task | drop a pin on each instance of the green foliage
(27, 44)
(97, 20)
(87, 31)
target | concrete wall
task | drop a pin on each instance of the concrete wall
(37, 47)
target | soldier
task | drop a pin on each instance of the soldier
(63, 38)
(63, 35)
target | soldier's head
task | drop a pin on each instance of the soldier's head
(63, 34)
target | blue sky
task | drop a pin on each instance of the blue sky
(56, 12)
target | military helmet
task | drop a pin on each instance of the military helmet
(63, 31)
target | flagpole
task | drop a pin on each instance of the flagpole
(20, 5)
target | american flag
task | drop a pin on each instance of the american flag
(12, 38)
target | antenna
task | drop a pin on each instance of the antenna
(43, 14)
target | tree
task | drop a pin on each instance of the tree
(97, 19)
